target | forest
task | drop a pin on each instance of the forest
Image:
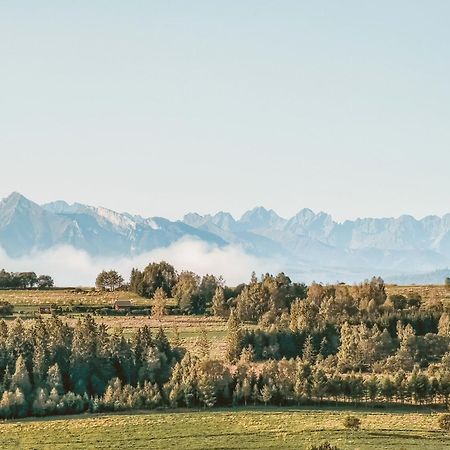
(286, 344)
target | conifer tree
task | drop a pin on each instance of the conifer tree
(266, 394)
(54, 379)
(233, 337)
(159, 304)
(387, 387)
(319, 383)
(207, 392)
(21, 379)
(308, 350)
(203, 343)
(219, 304)
(237, 394)
(255, 393)
(246, 390)
(40, 403)
(371, 387)
(176, 338)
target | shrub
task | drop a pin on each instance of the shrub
(323, 446)
(352, 422)
(444, 422)
(6, 309)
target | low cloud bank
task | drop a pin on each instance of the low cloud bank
(71, 267)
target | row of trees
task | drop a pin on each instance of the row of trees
(51, 368)
(275, 300)
(209, 294)
(193, 294)
(24, 280)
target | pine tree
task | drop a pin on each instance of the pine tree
(151, 365)
(203, 343)
(319, 383)
(246, 389)
(298, 391)
(247, 355)
(323, 347)
(387, 388)
(161, 342)
(176, 338)
(21, 378)
(233, 338)
(308, 350)
(371, 387)
(207, 391)
(39, 406)
(266, 394)
(400, 383)
(237, 394)
(219, 304)
(174, 395)
(39, 366)
(255, 393)
(159, 304)
(7, 376)
(54, 379)
(188, 389)
(418, 385)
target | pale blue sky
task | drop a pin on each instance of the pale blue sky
(164, 107)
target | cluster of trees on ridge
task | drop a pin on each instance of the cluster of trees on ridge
(24, 280)
(209, 294)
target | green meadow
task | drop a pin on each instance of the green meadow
(227, 429)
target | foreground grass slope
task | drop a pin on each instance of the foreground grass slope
(226, 429)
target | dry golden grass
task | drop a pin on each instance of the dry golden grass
(68, 297)
(432, 295)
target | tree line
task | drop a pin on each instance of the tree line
(48, 367)
(208, 294)
(24, 280)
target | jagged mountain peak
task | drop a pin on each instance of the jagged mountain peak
(307, 239)
(261, 217)
(26, 226)
(15, 198)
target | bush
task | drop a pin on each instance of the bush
(323, 446)
(352, 422)
(444, 422)
(6, 309)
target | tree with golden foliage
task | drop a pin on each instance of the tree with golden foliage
(159, 304)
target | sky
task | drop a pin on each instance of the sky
(166, 107)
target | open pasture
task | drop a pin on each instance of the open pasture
(227, 429)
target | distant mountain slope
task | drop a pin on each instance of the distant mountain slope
(26, 226)
(305, 242)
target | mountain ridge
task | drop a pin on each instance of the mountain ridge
(403, 245)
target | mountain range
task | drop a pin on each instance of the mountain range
(308, 244)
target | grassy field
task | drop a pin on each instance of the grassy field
(92, 297)
(188, 328)
(68, 297)
(227, 429)
(431, 294)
